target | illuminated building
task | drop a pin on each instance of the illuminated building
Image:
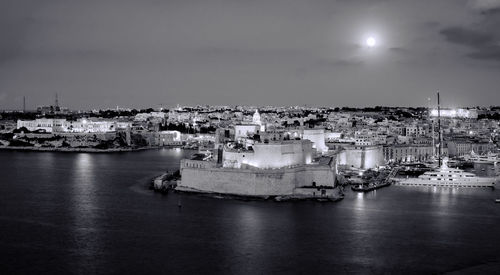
(257, 121)
(169, 138)
(275, 168)
(242, 131)
(270, 155)
(47, 125)
(53, 125)
(456, 113)
(317, 136)
(408, 153)
(457, 148)
(362, 157)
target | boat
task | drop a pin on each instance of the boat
(497, 200)
(413, 169)
(444, 175)
(449, 177)
(490, 158)
(369, 187)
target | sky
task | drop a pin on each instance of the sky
(151, 53)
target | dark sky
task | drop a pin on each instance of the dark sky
(140, 53)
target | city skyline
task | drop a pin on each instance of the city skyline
(236, 53)
(249, 136)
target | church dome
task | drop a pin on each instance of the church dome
(256, 118)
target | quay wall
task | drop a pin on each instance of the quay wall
(253, 182)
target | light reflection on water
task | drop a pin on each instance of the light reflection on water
(97, 223)
(250, 237)
(85, 209)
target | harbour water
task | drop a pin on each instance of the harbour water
(92, 213)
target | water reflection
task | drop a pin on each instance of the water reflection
(98, 224)
(250, 225)
(174, 152)
(85, 209)
(250, 239)
(359, 196)
(47, 163)
(444, 196)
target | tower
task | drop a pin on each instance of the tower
(128, 137)
(56, 107)
(24, 104)
(257, 121)
(256, 118)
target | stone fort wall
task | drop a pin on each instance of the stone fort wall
(205, 177)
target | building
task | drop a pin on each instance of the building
(457, 148)
(243, 131)
(270, 155)
(256, 120)
(408, 153)
(270, 169)
(361, 157)
(166, 138)
(456, 113)
(47, 125)
(317, 137)
(54, 125)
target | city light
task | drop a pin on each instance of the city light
(455, 113)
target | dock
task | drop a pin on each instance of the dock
(370, 186)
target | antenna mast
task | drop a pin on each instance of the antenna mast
(439, 130)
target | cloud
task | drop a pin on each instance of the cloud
(492, 53)
(467, 37)
(484, 45)
(485, 5)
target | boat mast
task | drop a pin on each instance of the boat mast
(439, 130)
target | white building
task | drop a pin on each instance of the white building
(257, 121)
(362, 157)
(48, 125)
(271, 169)
(317, 137)
(243, 131)
(53, 125)
(270, 155)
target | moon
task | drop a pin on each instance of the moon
(371, 42)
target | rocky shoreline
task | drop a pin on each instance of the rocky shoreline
(275, 198)
(168, 182)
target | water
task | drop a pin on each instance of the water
(92, 213)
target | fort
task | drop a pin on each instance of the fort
(283, 168)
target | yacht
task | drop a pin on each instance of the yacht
(446, 176)
(489, 158)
